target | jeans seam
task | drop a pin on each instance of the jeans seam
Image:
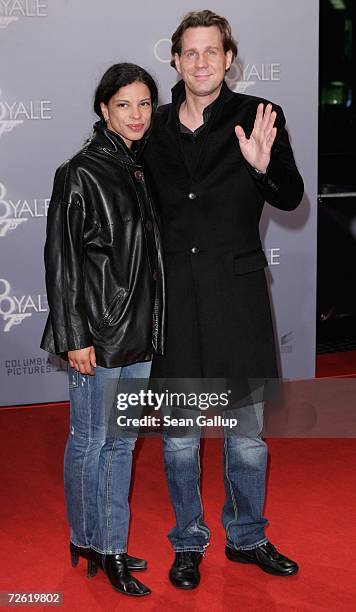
(200, 549)
(204, 529)
(108, 493)
(79, 545)
(85, 456)
(117, 551)
(230, 486)
(251, 547)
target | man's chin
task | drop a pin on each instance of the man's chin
(204, 90)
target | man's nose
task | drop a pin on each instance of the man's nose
(202, 60)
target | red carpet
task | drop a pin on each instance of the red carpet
(336, 364)
(311, 507)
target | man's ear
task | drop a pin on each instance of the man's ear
(228, 56)
(177, 62)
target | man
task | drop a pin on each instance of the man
(214, 158)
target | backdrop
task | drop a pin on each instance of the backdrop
(53, 53)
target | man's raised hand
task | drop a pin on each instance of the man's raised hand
(257, 149)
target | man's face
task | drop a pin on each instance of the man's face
(203, 61)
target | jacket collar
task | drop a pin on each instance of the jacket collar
(112, 143)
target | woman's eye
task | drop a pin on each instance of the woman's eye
(122, 105)
(146, 103)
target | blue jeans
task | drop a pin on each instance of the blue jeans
(245, 462)
(97, 462)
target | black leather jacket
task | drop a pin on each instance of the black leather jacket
(103, 257)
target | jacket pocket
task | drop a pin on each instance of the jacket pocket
(250, 262)
(111, 312)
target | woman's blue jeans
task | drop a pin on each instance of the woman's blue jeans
(97, 462)
(244, 460)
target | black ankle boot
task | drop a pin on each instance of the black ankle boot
(86, 553)
(134, 564)
(115, 568)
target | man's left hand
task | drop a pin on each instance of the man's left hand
(257, 149)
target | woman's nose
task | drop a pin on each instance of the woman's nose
(136, 112)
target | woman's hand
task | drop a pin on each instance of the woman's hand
(83, 360)
(257, 149)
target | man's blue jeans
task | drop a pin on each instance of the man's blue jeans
(245, 462)
(97, 463)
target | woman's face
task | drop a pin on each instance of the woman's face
(128, 112)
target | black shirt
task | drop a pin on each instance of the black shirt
(192, 141)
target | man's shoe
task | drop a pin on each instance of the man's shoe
(184, 573)
(266, 557)
(115, 568)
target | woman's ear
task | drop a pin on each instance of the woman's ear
(104, 111)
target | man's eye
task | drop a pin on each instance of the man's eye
(212, 52)
(191, 54)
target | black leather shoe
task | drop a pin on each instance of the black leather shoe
(266, 557)
(134, 564)
(184, 573)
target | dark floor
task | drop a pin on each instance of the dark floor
(337, 334)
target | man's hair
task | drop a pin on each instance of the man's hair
(120, 75)
(205, 19)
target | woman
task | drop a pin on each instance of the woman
(105, 289)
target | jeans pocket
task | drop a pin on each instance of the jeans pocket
(73, 377)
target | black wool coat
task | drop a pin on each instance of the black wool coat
(218, 310)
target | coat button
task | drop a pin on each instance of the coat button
(195, 250)
(272, 185)
(192, 196)
(139, 175)
(149, 226)
(155, 275)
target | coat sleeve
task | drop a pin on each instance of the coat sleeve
(64, 263)
(281, 186)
